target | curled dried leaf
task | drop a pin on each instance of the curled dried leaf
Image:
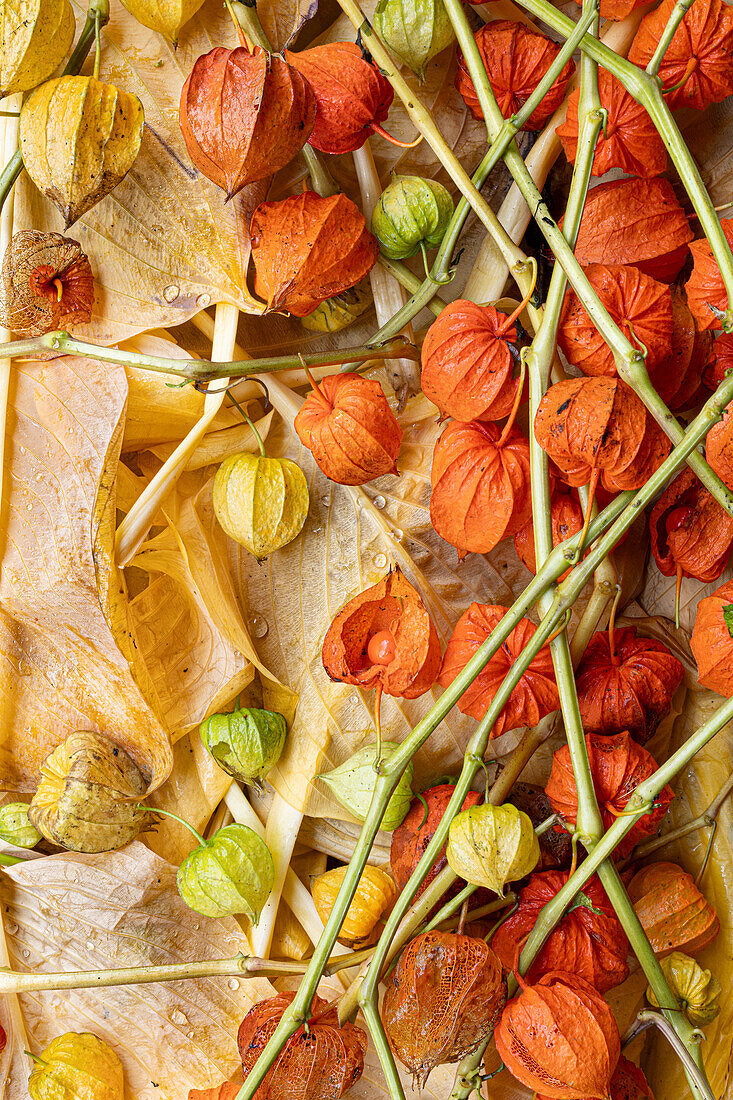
(34, 40)
(673, 912)
(691, 534)
(411, 838)
(697, 990)
(567, 520)
(706, 294)
(712, 640)
(77, 1064)
(47, 283)
(375, 895)
(492, 845)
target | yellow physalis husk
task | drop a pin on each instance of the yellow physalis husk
(79, 138)
(77, 1064)
(165, 16)
(337, 313)
(375, 895)
(35, 36)
(261, 502)
(87, 800)
(492, 845)
(697, 990)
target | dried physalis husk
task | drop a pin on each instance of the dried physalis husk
(442, 1000)
(34, 40)
(337, 313)
(414, 30)
(164, 16)
(246, 742)
(15, 828)
(492, 845)
(696, 989)
(231, 872)
(47, 283)
(75, 1065)
(79, 138)
(375, 895)
(261, 502)
(88, 796)
(673, 912)
(352, 784)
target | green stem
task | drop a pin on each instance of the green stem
(204, 370)
(322, 181)
(678, 14)
(181, 821)
(410, 282)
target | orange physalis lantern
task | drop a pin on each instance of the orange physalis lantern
(533, 697)
(618, 764)
(720, 360)
(719, 447)
(673, 912)
(348, 426)
(480, 486)
(588, 941)
(442, 1000)
(628, 1081)
(352, 96)
(697, 66)
(706, 294)
(320, 1064)
(515, 58)
(411, 838)
(567, 520)
(244, 115)
(630, 141)
(468, 359)
(627, 688)
(640, 306)
(227, 1090)
(712, 640)
(635, 221)
(677, 378)
(585, 1045)
(308, 248)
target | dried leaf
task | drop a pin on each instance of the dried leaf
(34, 40)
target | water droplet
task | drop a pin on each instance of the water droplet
(397, 535)
(379, 502)
(203, 300)
(233, 983)
(11, 927)
(158, 229)
(38, 477)
(170, 293)
(90, 945)
(24, 668)
(29, 507)
(380, 561)
(26, 954)
(258, 626)
(178, 1017)
(325, 498)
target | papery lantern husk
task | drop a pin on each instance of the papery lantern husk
(555, 844)
(635, 221)
(705, 289)
(307, 248)
(588, 941)
(677, 379)
(534, 696)
(467, 363)
(412, 214)
(46, 283)
(629, 140)
(628, 1083)
(720, 360)
(353, 782)
(442, 1000)
(640, 306)
(490, 846)
(697, 66)
(227, 1090)
(77, 1064)
(567, 520)
(674, 914)
(351, 95)
(34, 39)
(350, 430)
(480, 490)
(697, 990)
(630, 689)
(719, 447)
(414, 31)
(690, 531)
(320, 1064)
(588, 424)
(231, 872)
(375, 895)
(244, 115)
(712, 641)
(617, 764)
(516, 58)
(619, 9)
(559, 1037)
(411, 838)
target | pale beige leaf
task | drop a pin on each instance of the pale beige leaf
(282, 19)
(658, 594)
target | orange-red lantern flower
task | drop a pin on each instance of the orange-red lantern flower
(567, 520)
(697, 67)
(515, 58)
(442, 999)
(705, 291)
(618, 764)
(411, 838)
(635, 221)
(468, 361)
(640, 306)
(352, 96)
(348, 426)
(588, 941)
(619, 9)
(712, 640)
(559, 1037)
(46, 283)
(534, 696)
(629, 141)
(626, 686)
(244, 115)
(719, 447)
(628, 1081)
(307, 248)
(480, 481)
(719, 361)
(673, 912)
(677, 378)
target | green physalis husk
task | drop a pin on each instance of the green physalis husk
(352, 784)
(412, 215)
(245, 743)
(15, 828)
(261, 502)
(414, 30)
(230, 873)
(492, 845)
